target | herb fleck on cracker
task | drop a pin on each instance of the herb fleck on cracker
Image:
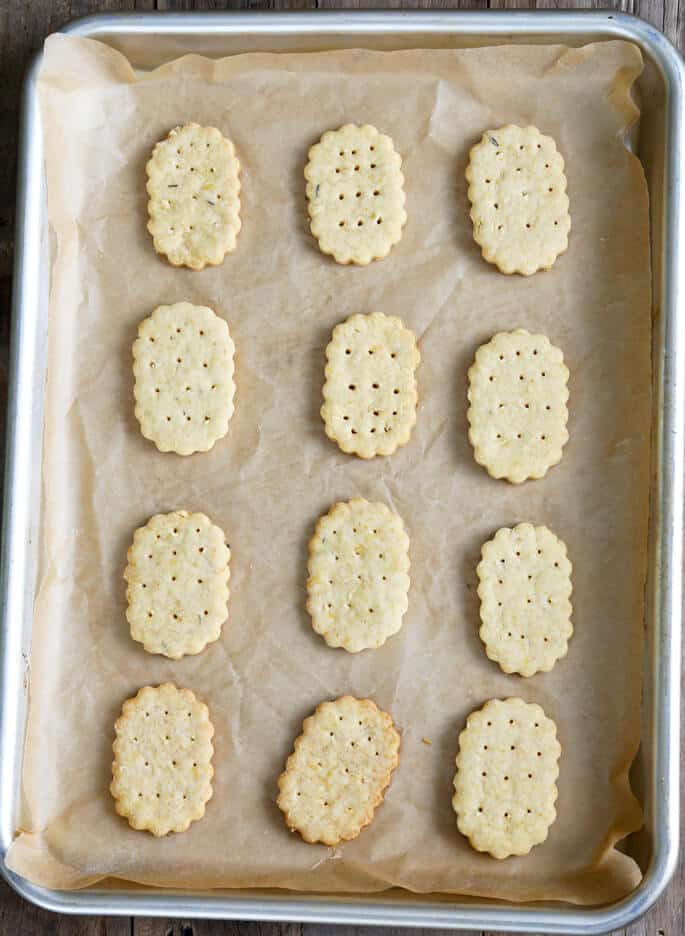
(519, 205)
(201, 224)
(370, 393)
(355, 194)
(358, 582)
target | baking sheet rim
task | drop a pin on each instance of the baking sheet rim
(670, 410)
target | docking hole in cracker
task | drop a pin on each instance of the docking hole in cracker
(183, 369)
(338, 771)
(162, 770)
(177, 583)
(525, 590)
(370, 393)
(194, 196)
(355, 194)
(517, 413)
(519, 205)
(505, 786)
(358, 582)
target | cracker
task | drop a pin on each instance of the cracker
(358, 583)
(194, 189)
(162, 769)
(370, 389)
(183, 369)
(517, 414)
(505, 785)
(524, 590)
(177, 577)
(355, 194)
(339, 769)
(519, 206)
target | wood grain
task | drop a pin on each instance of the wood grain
(23, 26)
(20, 918)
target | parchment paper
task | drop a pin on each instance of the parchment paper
(276, 472)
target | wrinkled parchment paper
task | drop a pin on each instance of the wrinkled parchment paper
(275, 473)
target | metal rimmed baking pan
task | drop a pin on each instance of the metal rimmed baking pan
(152, 39)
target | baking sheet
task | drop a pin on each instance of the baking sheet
(276, 472)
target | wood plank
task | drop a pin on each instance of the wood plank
(651, 10)
(236, 5)
(86, 7)
(323, 930)
(22, 28)
(403, 5)
(162, 927)
(674, 10)
(20, 918)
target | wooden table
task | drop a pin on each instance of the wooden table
(23, 26)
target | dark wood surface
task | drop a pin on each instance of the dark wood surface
(23, 26)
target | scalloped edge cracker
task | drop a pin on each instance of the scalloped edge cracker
(519, 205)
(183, 369)
(358, 583)
(525, 590)
(517, 405)
(338, 771)
(194, 196)
(355, 194)
(370, 393)
(162, 769)
(505, 786)
(177, 583)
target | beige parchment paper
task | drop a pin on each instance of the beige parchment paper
(275, 473)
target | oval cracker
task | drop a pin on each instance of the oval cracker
(355, 194)
(177, 583)
(358, 582)
(370, 393)
(183, 369)
(524, 590)
(505, 786)
(338, 771)
(519, 205)
(162, 769)
(517, 414)
(194, 196)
